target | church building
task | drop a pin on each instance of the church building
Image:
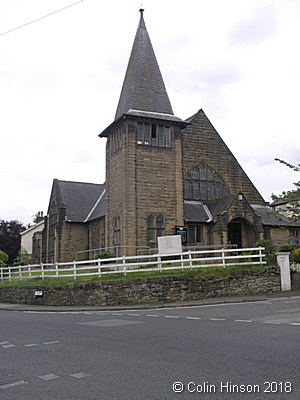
(164, 176)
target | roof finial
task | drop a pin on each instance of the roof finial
(141, 10)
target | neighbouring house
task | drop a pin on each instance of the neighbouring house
(31, 241)
(164, 176)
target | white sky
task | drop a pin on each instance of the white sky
(61, 77)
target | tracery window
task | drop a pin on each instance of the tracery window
(202, 183)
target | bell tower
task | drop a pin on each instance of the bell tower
(144, 194)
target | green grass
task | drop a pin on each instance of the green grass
(214, 272)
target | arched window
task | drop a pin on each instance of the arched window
(202, 183)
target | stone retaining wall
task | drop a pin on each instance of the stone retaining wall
(146, 290)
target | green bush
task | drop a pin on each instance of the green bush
(295, 256)
(269, 251)
(3, 259)
(286, 248)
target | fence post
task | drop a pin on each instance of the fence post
(20, 272)
(29, 270)
(9, 273)
(190, 259)
(74, 270)
(159, 263)
(283, 260)
(223, 258)
(260, 255)
(181, 258)
(42, 268)
(99, 267)
(124, 265)
(2, 275)
(56, 270)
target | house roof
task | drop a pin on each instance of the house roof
(195, 211)
(78, 198)
(143, 87)
(269, 217)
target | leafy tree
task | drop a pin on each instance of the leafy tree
(291, 196)
(10, 238)
(3, 259)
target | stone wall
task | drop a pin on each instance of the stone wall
(147, 290)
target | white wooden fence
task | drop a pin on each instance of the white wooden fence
(145, 263)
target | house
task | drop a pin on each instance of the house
(164, 176)
(31, 240)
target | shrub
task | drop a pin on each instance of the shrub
(3, 259)
(269, 251)
(295, 256)
(287, 248)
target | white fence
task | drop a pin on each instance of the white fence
(131, 264)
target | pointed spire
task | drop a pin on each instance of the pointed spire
(143, 87)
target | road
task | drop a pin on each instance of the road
(223, 351)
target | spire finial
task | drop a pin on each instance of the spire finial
(141, 10)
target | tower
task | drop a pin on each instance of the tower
(144, 193)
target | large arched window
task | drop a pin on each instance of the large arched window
(202, 183)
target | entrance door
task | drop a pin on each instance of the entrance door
(235, 233)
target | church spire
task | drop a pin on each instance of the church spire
(143, 87)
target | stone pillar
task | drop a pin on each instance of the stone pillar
(283, 260)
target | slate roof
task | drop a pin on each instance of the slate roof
(218, 206)
(78, 198)
(195, 211)
(266, 213)
(143, 87)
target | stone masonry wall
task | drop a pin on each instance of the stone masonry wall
(147, 290)
(203, 144)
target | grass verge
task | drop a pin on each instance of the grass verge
(214, 272)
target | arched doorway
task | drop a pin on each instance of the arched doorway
(240, 232)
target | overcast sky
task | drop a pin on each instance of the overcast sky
(61, 77)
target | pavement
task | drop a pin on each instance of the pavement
(214, 300)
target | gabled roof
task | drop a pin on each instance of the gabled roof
(143, 87)
(78, 198)
(269, 217)
(196, 211)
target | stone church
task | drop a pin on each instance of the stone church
(164, 176)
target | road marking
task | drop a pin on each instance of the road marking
(48, 377)
(193, 318)
(53, 342)
(116, 314)
(2, 343)
(171, 316)
(271, 322)
(79, 375)
(31, 345)
(134, 315)
(217, 319)
(9, 385)
(6, 346)
(243, 320)
(295, 323)
(151, 315)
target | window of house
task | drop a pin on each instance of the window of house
(153, 135)
(194, 234)
(202, 183)
(294, 236)
(155, 228)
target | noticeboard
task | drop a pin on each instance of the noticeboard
(169, 244)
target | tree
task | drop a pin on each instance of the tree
(10, 238)
(291, 197)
